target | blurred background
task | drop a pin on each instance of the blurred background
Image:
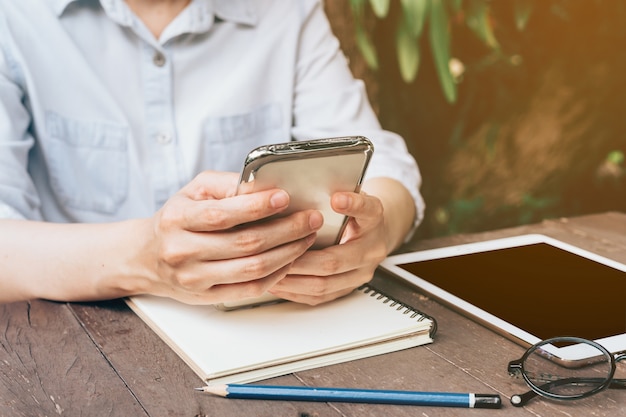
(514, 109)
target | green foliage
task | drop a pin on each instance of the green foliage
(439, 35)
(457, 215)
(381, 7)
(522, 13)
(511, 107)
(464, 215)
(438, 16)
(363, 41)
(615, 157)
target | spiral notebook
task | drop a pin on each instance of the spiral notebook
(252, 344)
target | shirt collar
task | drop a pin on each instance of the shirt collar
(59, 6)
(237, 11)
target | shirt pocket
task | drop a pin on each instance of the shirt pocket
(87, 163)
(226, 140)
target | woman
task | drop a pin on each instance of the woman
(123, 125)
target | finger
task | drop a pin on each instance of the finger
(257, 266)
(211, 185)
(311, 299)
(318, 285)
(198, 276)
(231, 292)
(330, 261)
(362, 207)
(212, 215)
(244, 241)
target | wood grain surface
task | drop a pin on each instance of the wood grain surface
(100, 359)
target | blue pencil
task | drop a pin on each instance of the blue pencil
(435, 399)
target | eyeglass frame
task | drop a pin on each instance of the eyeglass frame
(516, 367)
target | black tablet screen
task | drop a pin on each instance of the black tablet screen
(542, 289)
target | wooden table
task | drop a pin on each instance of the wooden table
(99, 359)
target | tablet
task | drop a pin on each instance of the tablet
(527, 288)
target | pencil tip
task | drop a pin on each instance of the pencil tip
(221, 390)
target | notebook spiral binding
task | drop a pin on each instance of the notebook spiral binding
(373, 292)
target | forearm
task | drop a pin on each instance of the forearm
(72, 261)
(398, 208)
(195, 249)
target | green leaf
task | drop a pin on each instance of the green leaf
(380, 7)
(408, 54)
(477, 20)
(456, 5)
(491, 138)
(415, 13)
(522, 11)
(363, 41)
(358, 10)
(439, 35)
(367, 48)
(615, 157)
(357, 4)
(538, 203)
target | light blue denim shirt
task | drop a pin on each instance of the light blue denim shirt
(100, 121)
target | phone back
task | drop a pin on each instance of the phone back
(310, 171)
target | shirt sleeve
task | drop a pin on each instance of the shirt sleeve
(18, 198)
(329, 101)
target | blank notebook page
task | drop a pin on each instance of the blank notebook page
(216, 342)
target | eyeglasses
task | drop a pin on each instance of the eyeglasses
(557, 379)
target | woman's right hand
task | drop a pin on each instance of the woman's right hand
(207, 246)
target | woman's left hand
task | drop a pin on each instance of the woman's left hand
(376, 227)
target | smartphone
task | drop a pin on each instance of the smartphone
(310, 171)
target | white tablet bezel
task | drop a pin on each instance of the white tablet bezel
(572, 353)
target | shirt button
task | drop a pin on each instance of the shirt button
(164, 138)
(158, 59)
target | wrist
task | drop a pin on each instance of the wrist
(132, 268)
(398, 209)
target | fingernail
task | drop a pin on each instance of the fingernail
(316, 220)
(342, 201)
(279, 199)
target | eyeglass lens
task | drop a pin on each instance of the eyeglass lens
(567, 380)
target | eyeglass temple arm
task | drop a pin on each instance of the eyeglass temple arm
(519, 400)
(618, 384)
